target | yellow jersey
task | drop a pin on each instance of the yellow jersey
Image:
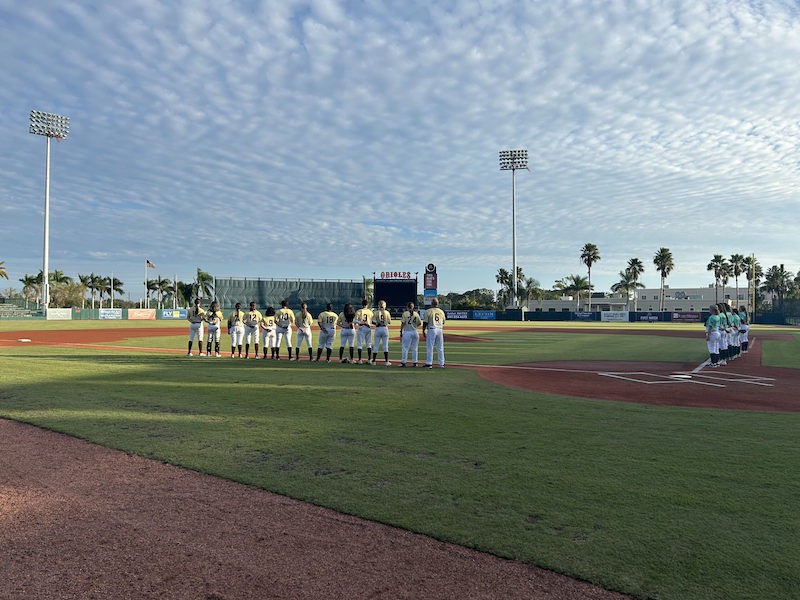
(235, 319)
(410, 320)
(382, 318)
(304, 320)
(196, 315)
(364, 316)
(434, 318)
(214, 317)
(284, 317)
(252, 318)
(268, 322)
(327, 319)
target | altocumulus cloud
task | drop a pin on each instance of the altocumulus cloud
(334, 139)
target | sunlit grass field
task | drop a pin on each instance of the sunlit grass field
(657, 502)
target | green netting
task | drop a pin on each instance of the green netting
(270, 292)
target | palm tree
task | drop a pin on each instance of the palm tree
(152, 286)
(737, 267)
(777, 281)
(86, 282)
(3, 270)
(164, 288)
(31, 287)
(725, 274)
(628, 282)
(664, 265)
(503, 278)
(203, 285)
(531, 289)
(369, 289)
(716, 265)
(574, 284)
(754, 273)
(95, 286)
(117, 286)
(590, 255)
(636, 268)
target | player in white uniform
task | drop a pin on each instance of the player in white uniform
(409, 334)
(724, 330)
(304, 323)
(269, 337)
(195, 318)
(327, 332)
(713, 335)
(364, 323)
(236, 329)
(214, 319)
(284, 319)
(433, 330)
(381, 319)
(347, 333)
(251, 330)
(744, 328)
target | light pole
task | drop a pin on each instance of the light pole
(50, 126)
(511, 160)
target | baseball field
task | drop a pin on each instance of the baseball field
(601, 453)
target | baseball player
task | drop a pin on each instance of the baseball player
(347, 333)
(713, 335)
(214, 319)
(236, 329)
(284, 320)
(744, 328)
(251, 329)
(327, 331)
(724, 328)
(304, 323)
(195, 318)
(409, 334)
(733, 342)
(433, 330)
(269, 337)
(364, 321)
(381, 319)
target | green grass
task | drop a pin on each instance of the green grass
(658, 502)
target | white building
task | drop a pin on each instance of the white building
(647, 300)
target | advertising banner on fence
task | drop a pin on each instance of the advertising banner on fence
(484, 315)
(648, 317)
(456, 315)
(142, 314)
(687, 317)
(110, 313)
(582, 316)
(59, 314)
(169, 313)
(614, 316)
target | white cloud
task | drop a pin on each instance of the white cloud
(306, 138)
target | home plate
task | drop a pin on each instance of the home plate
(24, 340)
(680, 376)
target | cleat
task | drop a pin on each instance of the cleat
(218, 355)
(402, 365)
(428, 366)
(388, 364)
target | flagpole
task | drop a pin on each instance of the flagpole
(112, 289)
(175, 292)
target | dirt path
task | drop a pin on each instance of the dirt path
(81, 521)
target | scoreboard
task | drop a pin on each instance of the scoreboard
(397, 293)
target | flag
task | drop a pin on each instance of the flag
(149, 264)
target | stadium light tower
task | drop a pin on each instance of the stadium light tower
(511, 160)
(50, 126)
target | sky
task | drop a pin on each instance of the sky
(336, 139)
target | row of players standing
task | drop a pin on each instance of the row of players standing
(355, 332)
(726, 333)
